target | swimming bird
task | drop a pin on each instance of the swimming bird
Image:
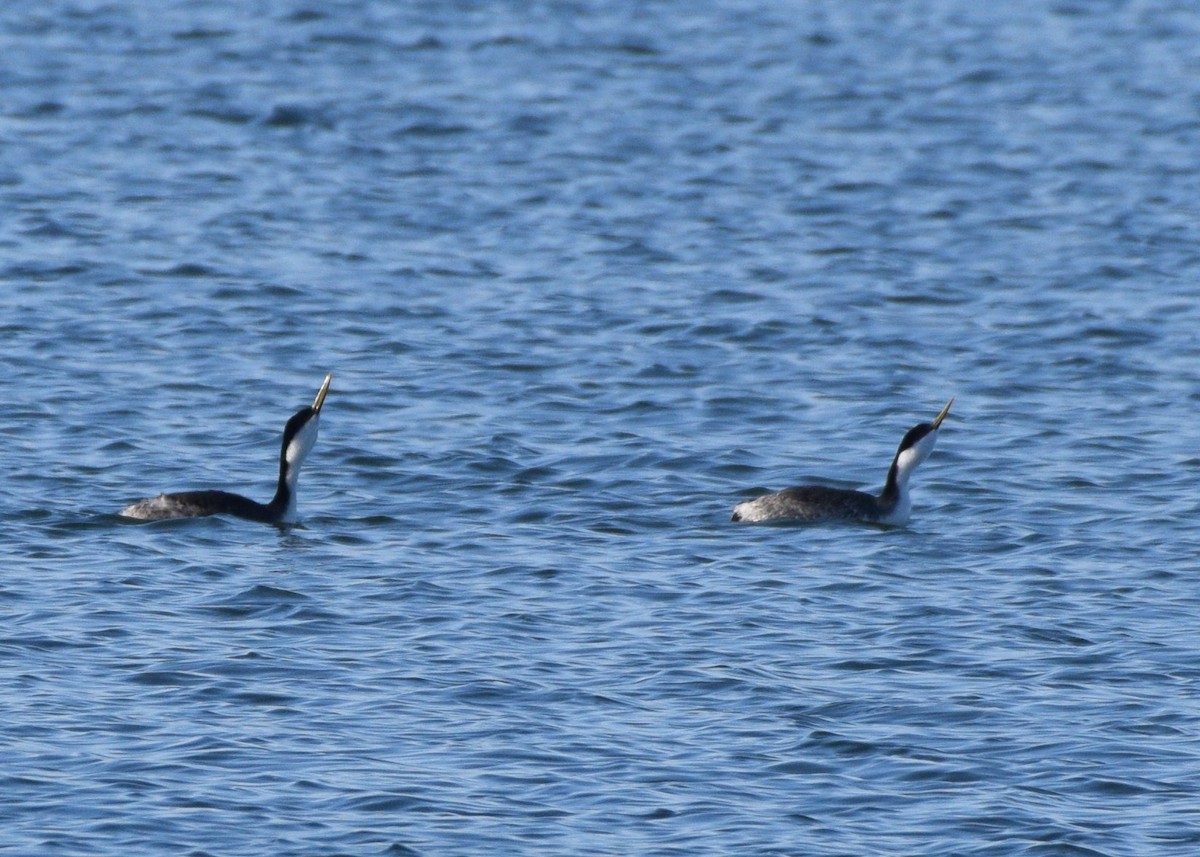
(891, 507)
(299, 435)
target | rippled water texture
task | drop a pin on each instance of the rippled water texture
(587, 275)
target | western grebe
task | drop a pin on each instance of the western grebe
(299, 435)
(819, 503)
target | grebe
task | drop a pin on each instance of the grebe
(819, 503)
(299, 435)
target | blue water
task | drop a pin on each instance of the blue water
(587, 275)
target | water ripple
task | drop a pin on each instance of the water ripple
(586, 280)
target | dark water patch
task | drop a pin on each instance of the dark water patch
(259, 600)
(224, 114)
(41, 110)
(183, 270)
(202, 34)
(298, 116)
(433, 130)
(167, 678)
(44, 273)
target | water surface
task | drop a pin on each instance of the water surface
(587, 277)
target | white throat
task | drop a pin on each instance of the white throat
(298, 450)
(909, 459)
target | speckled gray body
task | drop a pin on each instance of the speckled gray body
(814, 503)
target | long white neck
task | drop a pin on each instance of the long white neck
(895, 492)
(290, 477)
(291, 459)
(909, 459)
